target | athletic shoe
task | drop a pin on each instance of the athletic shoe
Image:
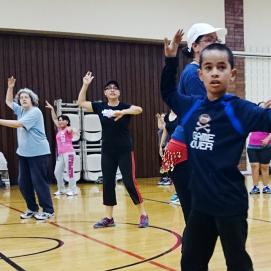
(27, 214)
(176, 201)
(58, 193)
(104, 223)
(162, 180)
(173, 197)
(266, 190)
(254, 190)
(167, 182)
(43, 215)
(144, 221)
(71, 193)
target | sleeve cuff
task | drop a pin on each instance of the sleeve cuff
(172, 60)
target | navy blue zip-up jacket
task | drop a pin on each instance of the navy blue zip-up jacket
(215, 132)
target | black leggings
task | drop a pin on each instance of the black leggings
(201, 234)
(126, 163)
(180, 177)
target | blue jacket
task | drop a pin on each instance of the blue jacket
(190, 83)
(215, 132)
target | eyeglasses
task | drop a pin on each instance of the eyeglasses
(111, 87)
(211, 40)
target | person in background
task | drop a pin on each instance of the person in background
(162, 141)
(171, 123)
(33, 151)
(65, 153)
(117, 149)
(259, 155)
(199, 36)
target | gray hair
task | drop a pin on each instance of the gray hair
(33, 96)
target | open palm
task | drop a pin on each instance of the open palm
(11, 82)
(171, 47)
(88, 78)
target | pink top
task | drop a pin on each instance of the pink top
(64, 141)
(256, 138)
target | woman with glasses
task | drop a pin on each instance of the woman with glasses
(117, 148)
(33, 151)
(199, 36)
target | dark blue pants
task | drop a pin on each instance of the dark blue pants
(201, 234)
(33, 177)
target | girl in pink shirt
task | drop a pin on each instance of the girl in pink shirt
(65, 154)
(259, 155)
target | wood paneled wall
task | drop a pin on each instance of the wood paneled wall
(53, 67)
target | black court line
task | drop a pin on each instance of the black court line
(179, 238)
(155, 200)
(259, 219)
(141, 258)
(58, 245)
(11, 263)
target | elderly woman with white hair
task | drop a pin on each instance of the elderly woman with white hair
(33, 151)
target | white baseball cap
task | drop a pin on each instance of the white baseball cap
(200, 29)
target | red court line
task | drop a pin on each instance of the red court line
(107, 244)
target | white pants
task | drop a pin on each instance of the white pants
(65, 165)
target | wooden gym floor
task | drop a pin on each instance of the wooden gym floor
(69, 242)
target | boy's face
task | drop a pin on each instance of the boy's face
(216, 73)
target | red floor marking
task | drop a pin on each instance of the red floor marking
(107, 244)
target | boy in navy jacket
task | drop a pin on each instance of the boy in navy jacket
(215, 128)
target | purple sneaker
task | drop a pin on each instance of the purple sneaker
(144, 221)
(104, 223)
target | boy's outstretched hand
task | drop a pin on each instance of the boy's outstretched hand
(171, 47)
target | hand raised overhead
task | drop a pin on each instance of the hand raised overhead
(171, 47)
(88, 78)
(48, 105)
(11, 82)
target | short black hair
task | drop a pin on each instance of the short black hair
(111, 82)
(219, 47)
(65, 117)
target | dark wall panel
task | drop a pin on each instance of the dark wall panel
(53, 67)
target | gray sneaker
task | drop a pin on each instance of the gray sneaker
(27, 214)
(43, 215)
(72, 192)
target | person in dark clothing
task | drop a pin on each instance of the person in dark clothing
(117, 148)
(219, 195)
(199, 36)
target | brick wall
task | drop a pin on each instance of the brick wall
(234, 22)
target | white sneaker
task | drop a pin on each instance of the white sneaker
(71, 193)
(43, 215)
(27, 214)
(58, 193)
